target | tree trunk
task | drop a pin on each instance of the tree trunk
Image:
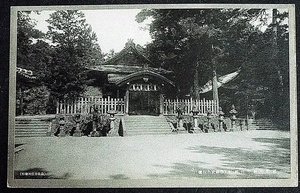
(196, 83)
(275, 48)
(215, 86)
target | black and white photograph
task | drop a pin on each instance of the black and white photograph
(187, 95)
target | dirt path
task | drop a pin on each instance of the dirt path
(246, 154)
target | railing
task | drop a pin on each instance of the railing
(85, 104)
(187, 105)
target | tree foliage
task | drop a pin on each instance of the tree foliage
(33, 53)
(36, 100)
(202, 40)
(75, 48)
(191, 41)
(264, 80)
(26, 33)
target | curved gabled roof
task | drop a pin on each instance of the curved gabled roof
(141, 74)
(25, 73)
(129, 48)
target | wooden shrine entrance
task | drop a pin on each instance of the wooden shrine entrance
(144, 92)
(144, 99)
(143, 103)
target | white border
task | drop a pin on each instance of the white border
(191, 182)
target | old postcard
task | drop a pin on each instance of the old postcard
(190, 95)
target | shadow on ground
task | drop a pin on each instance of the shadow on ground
(191, 169)
(273, 162)
(119, 177)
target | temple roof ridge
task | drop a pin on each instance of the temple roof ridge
(130, 47)
(25, 72)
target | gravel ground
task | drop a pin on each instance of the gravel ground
(242, 154)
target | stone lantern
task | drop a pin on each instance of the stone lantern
(180, 119)
(209, 117)
(78, 119)
(221, 119)
(112, 119)
(241, 124)
(247, 124)
(62, 124)
(195, 112)
(95, 119)
(233, 118)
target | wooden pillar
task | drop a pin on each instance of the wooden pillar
(215, 87)
(118, 93)
(127, 101)
(21, 107)
(161, 104)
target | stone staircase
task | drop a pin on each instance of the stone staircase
(146, 125)
(32, 126)
(262, 124)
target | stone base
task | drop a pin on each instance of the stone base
(112, 132)
(209, 130)
(95, 134)
(77, 134)
(181, 129)
(62, 134)
(197, 130)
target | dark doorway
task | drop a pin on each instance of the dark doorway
(144, 103)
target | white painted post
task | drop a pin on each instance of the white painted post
(105, 105)
(71, 107)
(57, 107)
(190, 105)
(126, 102)
(64, 107)
(161, 104)
(207, 105)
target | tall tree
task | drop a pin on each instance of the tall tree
(183, 40)
(266, 73)
(75, 47)
(26, 33)
(32, 54)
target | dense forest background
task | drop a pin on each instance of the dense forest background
(193, 43)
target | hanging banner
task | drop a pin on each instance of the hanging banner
(221, 80)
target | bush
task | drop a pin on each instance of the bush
(35, 100)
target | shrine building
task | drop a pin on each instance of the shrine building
(131, 76)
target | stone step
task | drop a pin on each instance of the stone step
(263, 124)
(146, 125)
(147, 129)
(31, 135)
(151, 133)
(148, 122)
(31, 126)
(30, 121)
(31, 131)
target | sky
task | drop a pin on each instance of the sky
(112, 27)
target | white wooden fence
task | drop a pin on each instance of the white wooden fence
(170, 106)
(85, 105)
(187, 105)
